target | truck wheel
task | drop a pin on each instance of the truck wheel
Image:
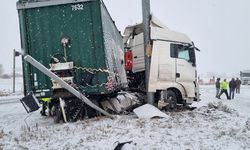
(171, 100)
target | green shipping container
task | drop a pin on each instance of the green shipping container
(95, 47)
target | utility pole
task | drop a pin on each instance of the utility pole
(147, 45)
(15, 54)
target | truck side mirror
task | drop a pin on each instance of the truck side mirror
(192, 56)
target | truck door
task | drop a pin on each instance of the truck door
(185, 67)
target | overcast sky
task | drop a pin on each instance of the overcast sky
(220, 28)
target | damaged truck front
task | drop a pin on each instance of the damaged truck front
(173, 75)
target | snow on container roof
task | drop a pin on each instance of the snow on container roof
(25, 4)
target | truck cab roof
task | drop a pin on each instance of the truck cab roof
(158, 32)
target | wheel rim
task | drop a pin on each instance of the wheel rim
(172, 101)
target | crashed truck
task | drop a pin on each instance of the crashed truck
(173, 75)
(73, 60)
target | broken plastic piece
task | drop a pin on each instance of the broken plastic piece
(148, 111)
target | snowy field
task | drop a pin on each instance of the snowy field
(214, 124)
(6, 90)
(6, 85)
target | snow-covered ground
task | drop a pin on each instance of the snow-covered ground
(6, 90)
(6, 85)
(215, 124)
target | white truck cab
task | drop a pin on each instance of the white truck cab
(173, 62)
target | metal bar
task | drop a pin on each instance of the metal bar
(27, 5)
(178, 42)
(63, 110)
(65, 85)
(14, 70)
(146, 26)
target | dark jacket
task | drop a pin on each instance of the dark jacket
(217, 84)
(238, 82)
(232, 84)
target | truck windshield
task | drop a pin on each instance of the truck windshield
(242, 74)
(183, 54)
(180, 51)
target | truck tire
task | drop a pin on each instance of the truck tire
(171, 99)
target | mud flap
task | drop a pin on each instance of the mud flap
(30, 103)
(148, 111)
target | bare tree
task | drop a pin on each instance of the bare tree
(1, 69)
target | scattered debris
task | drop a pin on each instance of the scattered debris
(248, 124)
(148, 111)
(221, 107)
(120, 145)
